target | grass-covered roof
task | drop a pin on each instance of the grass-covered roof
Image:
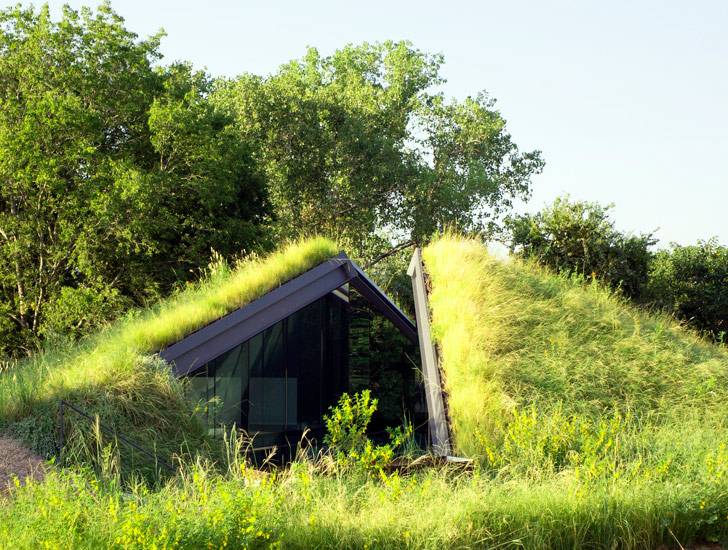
(115, 373)
(516, 339)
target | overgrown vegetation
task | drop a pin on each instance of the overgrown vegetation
(548, 378)
(593, 424)
(690, 282)
(322, 502)
(115, 373)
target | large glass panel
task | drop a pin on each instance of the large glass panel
(231, 374)
(282, 380)
(267, 411)
(304, 359)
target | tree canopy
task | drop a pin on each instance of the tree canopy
(118, 176)
(581, 237)
(361, 145)
(121, 175)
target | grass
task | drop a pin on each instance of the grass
(115, 373)
(302, 508)
(550, 377)
(593, 424)
(515, 336)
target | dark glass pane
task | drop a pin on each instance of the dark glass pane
(201, 390)
(334, 377)
(304, 351)
(273, 355)
(256, 355)
(282, 380)
(231, 375)
(267, 390)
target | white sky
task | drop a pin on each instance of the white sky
(627, 100)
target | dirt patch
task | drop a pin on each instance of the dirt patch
(16, 461)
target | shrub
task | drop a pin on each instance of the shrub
(580, 237)
(346, 426)
(346, 435)
(691, 282)
(77, 311)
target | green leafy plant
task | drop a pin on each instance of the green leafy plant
(580, 237)
(346, 435)
(346, 426)
(691, 282)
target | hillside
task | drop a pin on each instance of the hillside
(516, 339)
(116, 374)
(593, 424)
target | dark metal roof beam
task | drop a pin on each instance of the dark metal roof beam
(222, 335)
(384, 305)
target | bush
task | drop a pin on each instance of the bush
(78, 311)
(580, 237)
(346, 435)
(691, 282)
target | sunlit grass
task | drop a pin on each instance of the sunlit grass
(512, 334)
(593, 424)
(113, 373)
(554, 378)
(303, 508)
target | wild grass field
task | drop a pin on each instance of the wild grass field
(592, 424)
(116, 375)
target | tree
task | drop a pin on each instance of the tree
(358, 145)
(692, 283)
(117, 176)
(580, 237)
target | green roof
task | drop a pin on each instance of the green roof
(115, 372)
(516, 337)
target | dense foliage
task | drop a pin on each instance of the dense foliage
(302, 508)
(360, 145)
(580, 237)
(121, 175)
(692, 283)
(118, 176)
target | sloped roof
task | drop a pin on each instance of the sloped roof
(220, 336)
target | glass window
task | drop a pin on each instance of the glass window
(304, 359)
(281, 380)
(231, 373)
(267, 401)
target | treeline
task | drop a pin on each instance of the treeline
(690, 282)
(120, 175)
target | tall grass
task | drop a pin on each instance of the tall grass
(514, 335)
(554, 378)
(115, 373)
(594, 425)
(303, 508)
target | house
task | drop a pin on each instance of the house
(275, 366)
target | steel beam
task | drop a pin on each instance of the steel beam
(437, 418)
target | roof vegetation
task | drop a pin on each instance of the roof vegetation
(513, 335)
(595, 424)
(553, 379)
(115, 373)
